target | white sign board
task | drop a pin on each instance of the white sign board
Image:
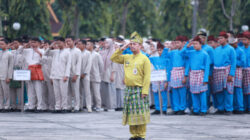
(158, 75)
(22, 75)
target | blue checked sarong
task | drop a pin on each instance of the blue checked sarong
(136, 110)
(155, 86)
(177, 76)
(246, 81)
(220, 83)
(238, 78)
(196, 82)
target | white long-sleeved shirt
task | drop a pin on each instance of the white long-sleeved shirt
(96, 68)
(46, 67)
(106, 74)
(61, 63)
(6, 65)
(76, 62)
(32, 57)
(119, 76)
(18, 60)
(86, 64)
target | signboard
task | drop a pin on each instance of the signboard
(22, 75)
(158, 75)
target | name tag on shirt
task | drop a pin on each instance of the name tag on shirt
(134, 71)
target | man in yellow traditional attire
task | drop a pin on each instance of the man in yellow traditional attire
(136, 111)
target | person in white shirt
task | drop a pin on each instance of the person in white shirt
(6, 61)
(108, 93)
(95, 75)
(85, 75)
(48, 87)
(119, 84)
(15, 86)
(60, 73)
(33, 58)
(74, 80)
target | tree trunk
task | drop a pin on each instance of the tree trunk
(194, 20)
(124, 18)
(1, 28)
(231, 23)
(234, 6)
(75, 31)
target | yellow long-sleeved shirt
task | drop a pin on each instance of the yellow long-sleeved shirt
(137, 69)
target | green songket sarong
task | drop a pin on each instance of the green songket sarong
(15, 84)
(136, 110)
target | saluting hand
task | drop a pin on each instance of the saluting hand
(125, 46)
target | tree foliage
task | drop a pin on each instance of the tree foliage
(31, 14)
(163, 19)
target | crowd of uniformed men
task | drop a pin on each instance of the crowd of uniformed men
(70, 75)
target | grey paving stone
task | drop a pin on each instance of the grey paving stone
(107, 126)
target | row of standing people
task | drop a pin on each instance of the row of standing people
(220, 73)
(66, 75)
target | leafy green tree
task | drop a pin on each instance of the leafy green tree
(33, 16)
(176, 18)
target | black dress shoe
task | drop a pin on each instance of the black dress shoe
(7, 110)
(156, 112)
(133, 138)
(66, 111)
(30, 110)
(164, 112)
(181, 112)
(203, 113)
(12, 110)
(238, 112)
(76, 111)
(195, 113)
(173, 113)
(247, 111)
(118, 109)
(57, 111)
(152, 107)
(41, 111)
(16, 110)
(219, 112)
(140, 139)
(228, 113)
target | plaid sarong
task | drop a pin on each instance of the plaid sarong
(196, 82)
(238, 78)
(15, 84)
(36, 72)
(246, 81)
(136, 110)
(220, 75)
(177, 75)
(155, 86)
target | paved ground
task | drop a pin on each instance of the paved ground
(107, 126)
